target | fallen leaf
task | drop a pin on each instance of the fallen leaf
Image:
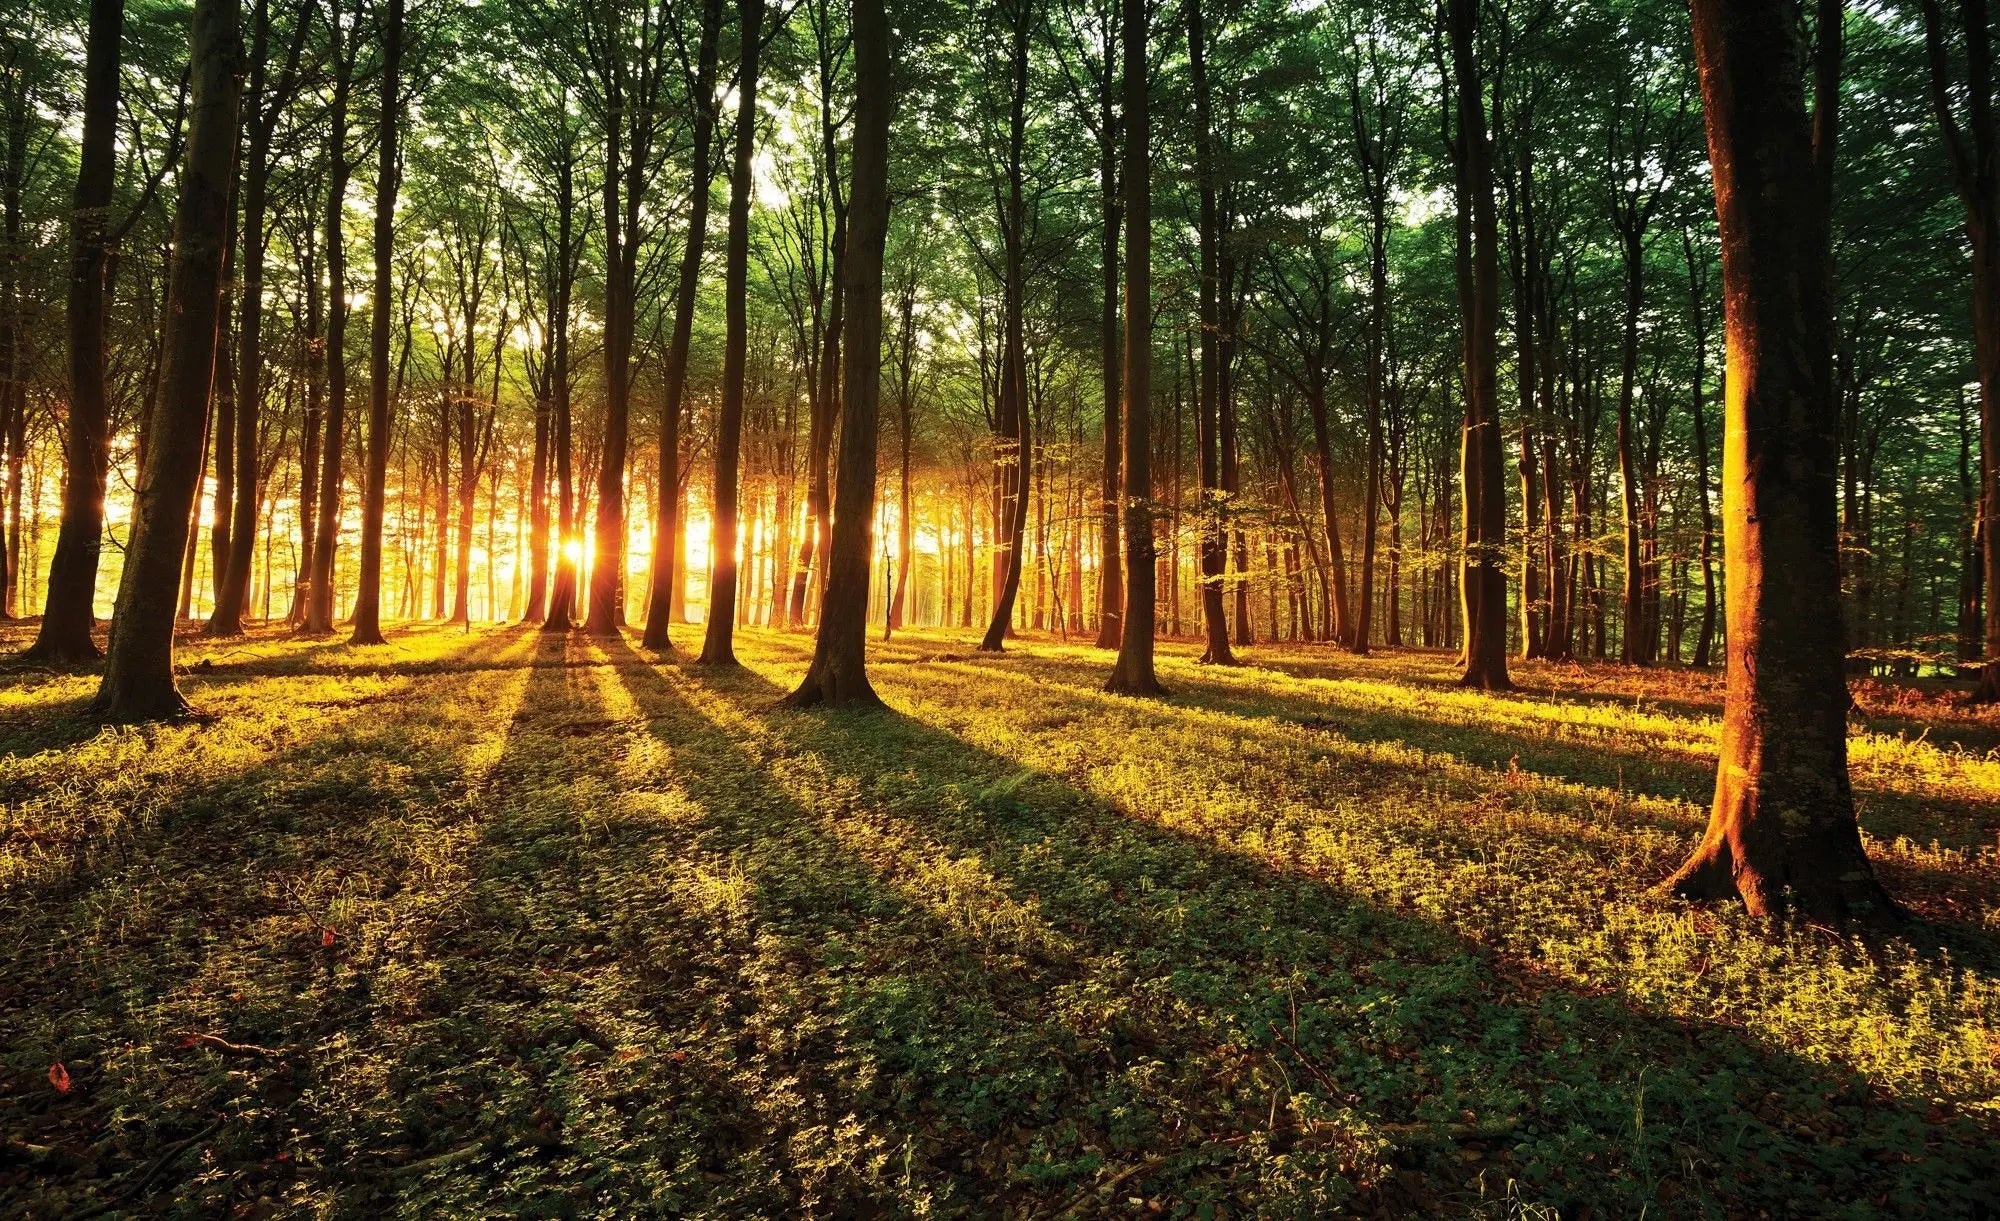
(59, 1077)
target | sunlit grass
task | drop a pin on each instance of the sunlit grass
(502, 923)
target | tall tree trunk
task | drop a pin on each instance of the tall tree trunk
(320, 579)
(266, 101)
(1214, 536)
(1133, 673)
(368, 594)
(1484, 590)
(139, 672)
(838, 674)
(1704, 644)
(1975, 157)
(1634, 648)
(562, 597)
(1782, 831)
(68, 612)
(666, 558)
(1110, 570)
(1017, 451)
(718, 640)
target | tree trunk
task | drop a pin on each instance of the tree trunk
(1133, 673)
(69, 609)
(320, 572)
(838, 675)
(1014, 410)
(368, 594)
(1214, 537)
(1484, 590)
(718, 641)
(1977, 171)
(666, 558)
(1110, 574)
(1782, 831)
(139, 672)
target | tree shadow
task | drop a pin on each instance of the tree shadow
(1201, 960)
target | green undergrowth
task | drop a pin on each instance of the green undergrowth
(502, 923)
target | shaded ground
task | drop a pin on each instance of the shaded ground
(499, 923)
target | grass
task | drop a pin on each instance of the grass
(499, 923)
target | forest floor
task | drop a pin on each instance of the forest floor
(502, 923)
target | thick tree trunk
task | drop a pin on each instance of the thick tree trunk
(68, 612)
(139, 672)
(1782, 831)
(719, 639)
(1133, 673)
(562, 597)
(838, 675)
(368, 594)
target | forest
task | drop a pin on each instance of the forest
(1031, 608)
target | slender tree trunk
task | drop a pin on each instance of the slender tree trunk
(666, 558)
(1110, 572)
(838, 674)
(1214, 534)
(68, 612)
(1484, 590)
(1133, 673)
(1782, 832)
(1015, 415)
(1975, 156)
(139, 672)
(718, 642)
(320, 578)
(368, 594)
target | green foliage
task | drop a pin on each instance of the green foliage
(503, 923)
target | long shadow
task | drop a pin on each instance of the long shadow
(1604, 764)
(1948, 898)
(212, 891)
(1201, 960)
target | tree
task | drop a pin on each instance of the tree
(659, 611)
(1133, 673)
(67, 616)
(332, 349)
(1782, 832)
(838, 675)
(139, 671)
(1484, 585)
(718, 640)
(266, 102)
(1974, 149)
(375, 490)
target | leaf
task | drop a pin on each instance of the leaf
(59, 1077)
(326, 937)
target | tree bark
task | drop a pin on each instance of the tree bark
(368, 594)
(333, 451)
(1484, 589)
(718, 639)
(1133, 672)
(68, 611)
(838, 675)
(139, 672)
(1782, 832)
(1974, 149)
(1110, 570)
(666, 559)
